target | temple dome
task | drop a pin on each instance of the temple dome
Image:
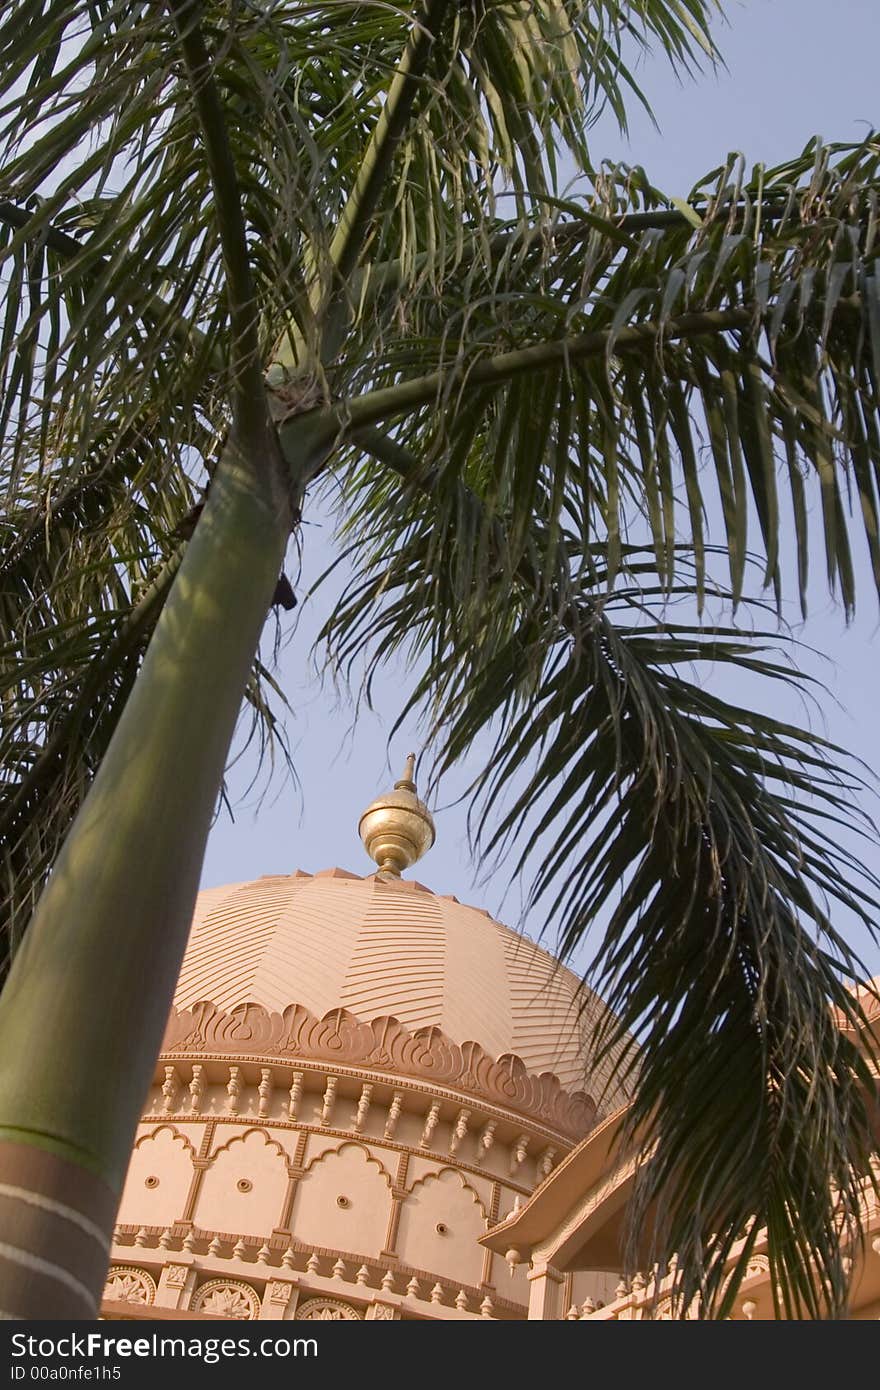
(380, 947)
(358, 1077)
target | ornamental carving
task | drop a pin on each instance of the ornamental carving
(227, 1298)
(383, 1045)
(383, 1311)
(326, 1310)
(176, 1275)
(278, 1291)
(125, 1284)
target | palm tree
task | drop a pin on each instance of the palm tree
(255, 249)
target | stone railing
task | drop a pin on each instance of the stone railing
(246, 1267)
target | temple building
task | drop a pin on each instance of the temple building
(375, 1102)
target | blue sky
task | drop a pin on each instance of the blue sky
(795, 68)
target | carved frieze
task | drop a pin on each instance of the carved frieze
(382, 1045)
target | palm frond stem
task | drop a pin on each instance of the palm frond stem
(241, 295)
(390, 402)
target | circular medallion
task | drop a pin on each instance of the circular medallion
(125, 1284)
(227, 1298)
(326, 1310)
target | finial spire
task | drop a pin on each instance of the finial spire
(408, 780)
(397, 828)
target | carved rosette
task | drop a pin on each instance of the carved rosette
(326, 1310)
(227, 1298)
(384, 1045)
(126, 1284)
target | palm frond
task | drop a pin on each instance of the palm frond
(698, 838)
(671, 367)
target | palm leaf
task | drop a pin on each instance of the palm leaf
(756, 334)
(705, 834)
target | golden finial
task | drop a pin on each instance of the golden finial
(397, 828)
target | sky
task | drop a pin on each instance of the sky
(794, 68)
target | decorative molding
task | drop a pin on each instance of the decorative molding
(277, 1298)
(301, 1261)
(435, 1175)
(404, 1152)
(207, 1137)
(383, 1045)
(326, 1310)
(175, 1133)
(227, 1298)
(127, 1284)
(382, 1311)
(241, 1135)
(372, 1159)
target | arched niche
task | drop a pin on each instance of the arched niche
(243, 1191)
(441, 1222)
(158, 1181)
(344, 1202)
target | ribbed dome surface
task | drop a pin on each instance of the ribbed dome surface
(377, 946)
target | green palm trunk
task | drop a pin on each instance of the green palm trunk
(87, 999)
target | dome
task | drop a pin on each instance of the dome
(380, 947)
(358, 1077)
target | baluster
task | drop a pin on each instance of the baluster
(169, 1090)
(487, 1139)
(295, 1094)
(459, 1130)
(233, 1090)
(363, 1106)
(197, 1088)
(393, 1114)
(518, 1152)
(430, 1125)
(329, 1098)
(265, 1091)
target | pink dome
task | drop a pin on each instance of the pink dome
(378, 946)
